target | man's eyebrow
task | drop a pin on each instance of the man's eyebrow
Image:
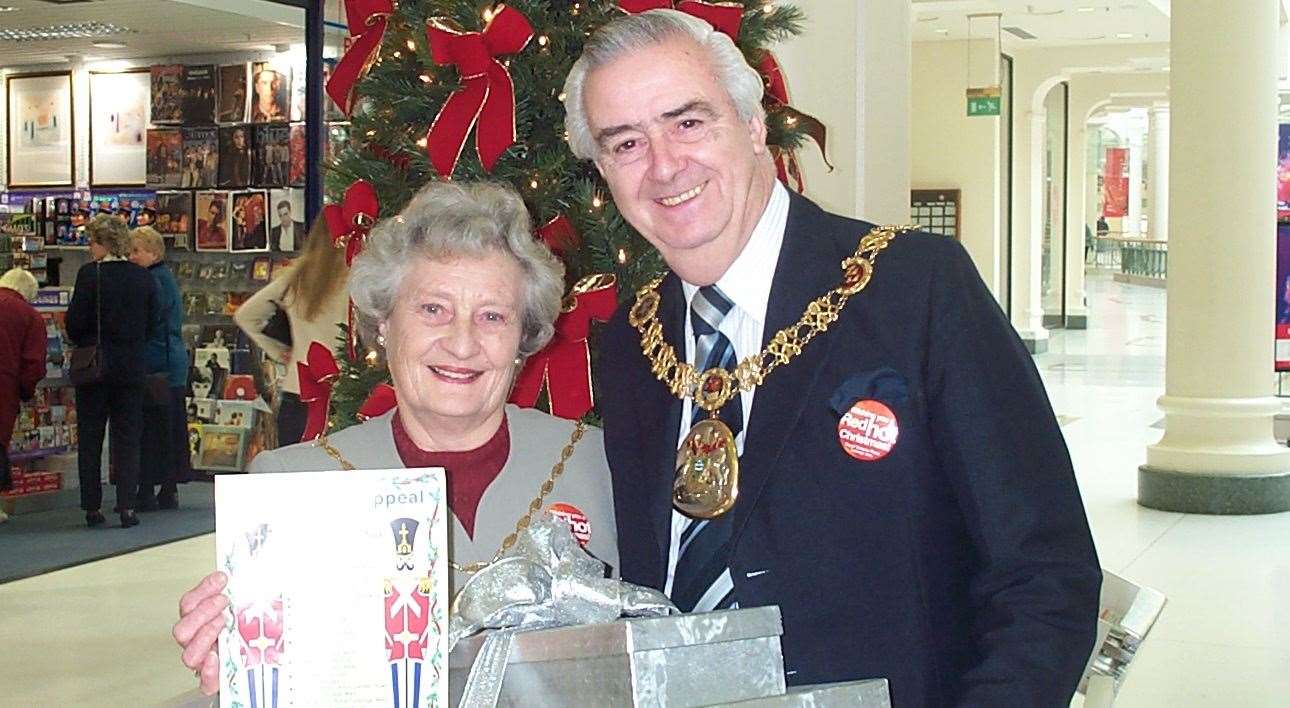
(605, 134)
(695, 106)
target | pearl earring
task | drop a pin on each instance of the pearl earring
(380, 340)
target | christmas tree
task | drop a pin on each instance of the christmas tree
(413, 82)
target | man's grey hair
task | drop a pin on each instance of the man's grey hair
(21, 282)
(633, 32)
(448, 220)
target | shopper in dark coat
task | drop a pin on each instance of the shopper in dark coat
(22, 356)
(165, 421)
(120, 298)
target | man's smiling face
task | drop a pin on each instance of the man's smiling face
(684, 169)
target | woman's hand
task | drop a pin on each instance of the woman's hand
(201, 619)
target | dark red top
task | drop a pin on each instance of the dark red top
(22, 356)
(469, 472)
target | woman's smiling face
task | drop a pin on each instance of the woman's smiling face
(452, 339)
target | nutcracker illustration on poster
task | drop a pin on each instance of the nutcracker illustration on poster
(298, 637)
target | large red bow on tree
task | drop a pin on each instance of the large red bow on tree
(350, 221)
(565, 364)
(379, 402)
(727, 18)
(317, 374)
(367, 22)
(486, 99)
(559, 235)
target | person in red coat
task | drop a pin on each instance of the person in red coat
(22, 355)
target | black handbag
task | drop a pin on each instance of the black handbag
(86, 362)
(279, 326)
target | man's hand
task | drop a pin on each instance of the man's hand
(201, 618)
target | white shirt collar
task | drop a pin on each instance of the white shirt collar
(747, 281)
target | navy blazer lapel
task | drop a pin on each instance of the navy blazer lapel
(807, 268)
(661, 422)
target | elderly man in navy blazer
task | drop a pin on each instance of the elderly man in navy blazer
(904, 494)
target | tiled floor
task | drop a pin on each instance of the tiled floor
(99, 634)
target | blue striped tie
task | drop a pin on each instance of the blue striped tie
(702, 581)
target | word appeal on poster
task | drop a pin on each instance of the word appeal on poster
(347, 607)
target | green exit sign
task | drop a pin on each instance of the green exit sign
(984, 101)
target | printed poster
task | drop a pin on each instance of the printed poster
(343, 608)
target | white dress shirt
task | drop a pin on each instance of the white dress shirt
(746, 284)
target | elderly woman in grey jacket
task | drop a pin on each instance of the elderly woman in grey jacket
(456, 293)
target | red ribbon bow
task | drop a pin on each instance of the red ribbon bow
(726, 17)
(379, 402)
(367, 22)
(564, 366)
(486, 99)
(559, 235)
(350, 221)
(317, 374)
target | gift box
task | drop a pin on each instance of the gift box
(680, 660)
(869, 693)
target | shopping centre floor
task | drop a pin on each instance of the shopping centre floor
(99, 634)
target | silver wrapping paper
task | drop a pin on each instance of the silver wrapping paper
(870, 693)
(545, 580)
(683, 660)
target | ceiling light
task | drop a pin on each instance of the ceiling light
(77, 30)
(1085, 9)
(7, 8)
(108, 45)
(1124, 35)
(942, 31)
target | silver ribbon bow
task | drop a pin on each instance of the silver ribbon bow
(545, 580)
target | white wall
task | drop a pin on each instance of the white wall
(850, 69)
(953, 151)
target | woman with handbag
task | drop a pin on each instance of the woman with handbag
(310, 299)
(22, 357)
(165, 418)
(112, 314)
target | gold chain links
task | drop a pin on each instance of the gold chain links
(711, 389)
(578, 429)
(534, 506)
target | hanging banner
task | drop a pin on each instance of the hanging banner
(1282, 358)
(1115, 186)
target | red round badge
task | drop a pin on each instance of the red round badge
(868, 431)
(576, 520)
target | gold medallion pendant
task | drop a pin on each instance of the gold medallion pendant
(707, 471)
(707, 465)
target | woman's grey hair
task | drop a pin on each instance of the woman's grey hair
(21, 282)
(448, 220)
(110, 232)
(647, 29)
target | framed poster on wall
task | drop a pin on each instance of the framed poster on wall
(118, 128)
(39, 129)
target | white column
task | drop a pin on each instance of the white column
(1158, 167)
(1028, 232)
(883, 95)
(1076, 181)
(1133, 217)
(1218, 454)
